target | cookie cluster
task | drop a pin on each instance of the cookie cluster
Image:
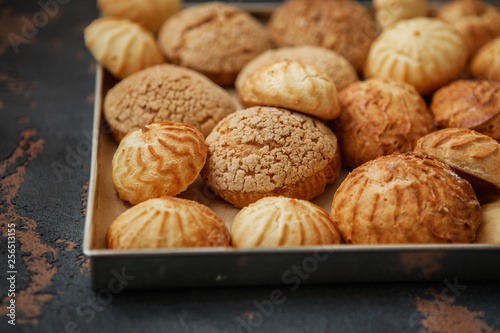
(266, 114)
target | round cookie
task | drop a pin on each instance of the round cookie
(165, 93)
(405, 199)
(293, 85)
(340, 71)
(466, 151)
(214, 38)
(489, 229)
(167, 222)
(156, 160)
(388, 12)
(425, 52)
(486, 62)
(476, 20)
(472, 104)
(280, 221)
(379, 117)
(121, 46)
(265, 151)
(343, 26)
(149, 13)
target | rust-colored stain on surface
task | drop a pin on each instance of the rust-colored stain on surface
(15, 85)
(442, 316)
(11, 23)
(40, 270)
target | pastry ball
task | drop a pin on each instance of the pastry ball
(340, 71)
(486, 62)
(403, 199)
(469, 104)
(167, 222)
(122, 46)
(489, 229)
(293, 85)
(149, 13)
(477, 21)
(214, 38)
(265, 151)
(424, 52)
(156, 160)
(343, 26)
(379, 117)
(165, 93)
(467, 151)
(389, 11)
(280, 221)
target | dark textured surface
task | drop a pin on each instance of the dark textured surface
(46, 95)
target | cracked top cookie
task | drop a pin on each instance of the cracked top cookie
(165, 93)
(266, 151)
(343, 26)
(215, 39)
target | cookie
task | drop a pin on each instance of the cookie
(121, 46)
(388, 12)
(473, 104)
(486, 62)
(466, 151)
(489, 229)
(265, 151)
(156, 160)
(338, 68)
(165, 93)
(293, 85)
(379, 117)
(343, 26)
(167, 222)
(405, 199)
(280, 221)
(425, 52)
(476, 20)
(149, 13)
(214, 38)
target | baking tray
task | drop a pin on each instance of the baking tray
(292, 266)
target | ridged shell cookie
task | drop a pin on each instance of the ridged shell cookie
(122, 46)
(157, 160)
(280, 221)
(167, 222)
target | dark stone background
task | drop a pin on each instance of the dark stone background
(46, 96)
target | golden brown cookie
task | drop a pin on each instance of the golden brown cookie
(388, 12)
(477, 21)
(265, 151)
(472, 104)
(379, 117)
(214, 38)
(489, 229)
(122, 46)
(425, 52)
(149, 13)
(156, 160)
(165, 93)
(167, 222)
(293, 85)
(467, 151)
(486, 62)
(340, 71)
(280, 221)
(343, 26)
(403, 199)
